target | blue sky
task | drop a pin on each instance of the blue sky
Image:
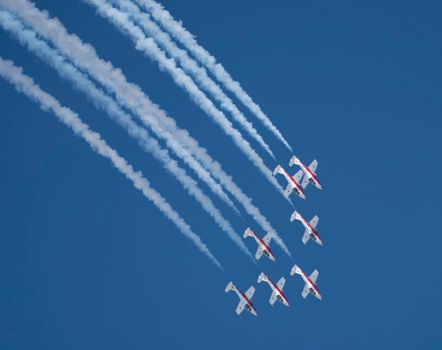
(87, 262)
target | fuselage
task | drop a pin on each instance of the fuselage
(295, 185)
(312, 231)
(312, 286)
(279, 293)
(249, 304)
(310, 174)
(264, 247)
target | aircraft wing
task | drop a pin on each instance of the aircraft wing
(258, 253)
(297, 177)
(306, 237)
(250, 292)
(288, 190)
(313, 166)
(240, 307)
(314, 276)
(305, 291)
(267, 238)
(281, 283)
(314, 221)
(272, 298)
(305, 181)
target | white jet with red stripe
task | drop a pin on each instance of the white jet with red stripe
(310, 282)
(245, 299)
(263, 244)
(277, 289)
(309, 172)
(292, 181)
(310, 227)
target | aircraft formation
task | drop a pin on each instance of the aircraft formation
(295, 184)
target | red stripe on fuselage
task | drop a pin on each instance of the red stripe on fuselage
(312, 174)
(269, 250)
(298, 186)
(313, 230)
(312, 284)
(279, 290)
(247, 299)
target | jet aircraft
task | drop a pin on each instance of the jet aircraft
(263, 244)
(310, 227)
(277, 289)
(245, 299)
(310, 282)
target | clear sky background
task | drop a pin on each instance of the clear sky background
(86, 262)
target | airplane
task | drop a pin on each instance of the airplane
(310, 282)
(293, 182)
(245, 299)
(310, 228)
(310, 172)
(263, 244)
(277, 293)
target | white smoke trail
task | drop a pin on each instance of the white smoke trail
(101, 101)
(182, 35)
(28, 87)
(190, 66)
(151, 49)
(82, 54)
(132, 97)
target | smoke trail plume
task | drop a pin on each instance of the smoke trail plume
(190, 66)
(101, 101)
(181, 34)
(151, 49)
(28, 87)
(133, 98)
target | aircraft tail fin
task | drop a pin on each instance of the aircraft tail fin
(248, 233)
(294, 161)
(295, 269)
(230, 286)
(295, 216)
(262, 277)
(278, 170)
(306, 237)
(305, 291)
